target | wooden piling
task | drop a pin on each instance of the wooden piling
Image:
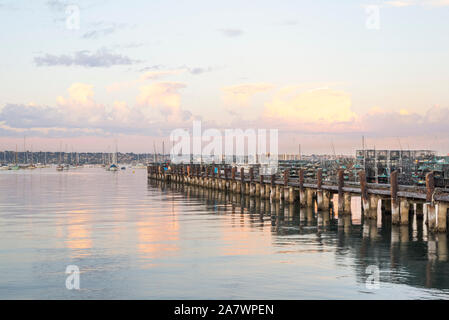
(319, 191)
(340, 185)
(302, 194)
(430, 205)
(395, 208)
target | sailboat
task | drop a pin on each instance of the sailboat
(4, 165)
(32, 165)
(113, 166)
(60, 167)
(15, 166)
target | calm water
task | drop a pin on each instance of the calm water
(135, 239)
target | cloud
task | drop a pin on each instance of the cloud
(26, 116)
(119, 86)
(319, 108)
(231, 32)
(408, 3)
(239, 95)
(78, 114)
(153, 75)
(398, 4)
(57, 5)
(291, 22)
(199, 70)
(149, 75)
(387, 123)
(101, 58)
(163, 97)
(153, 67)
(103, 30)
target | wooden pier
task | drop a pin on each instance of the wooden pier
(429, 203)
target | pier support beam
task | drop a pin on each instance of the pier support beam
(302, 193)
(367, 202)
(395, 208)
(370, 207)
(302, 198)
(292, 195)
(340, 182)
(242, 179)
(404, 210)
(347, 202)
(320, 200)
(326, 199)
(319, 192)
(309, 198)
(419, 210)
(285, 188)
(267, 191)
(272, 188)
(252, 189)
(441, 216)
(286, 191)
(430, 212)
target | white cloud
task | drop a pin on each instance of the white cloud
(240, 95)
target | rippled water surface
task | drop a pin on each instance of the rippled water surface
(135, 239)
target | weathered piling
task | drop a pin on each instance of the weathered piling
(286, 189)
(242, 181)
(430, 208)
(302, 194)
(441, 216)
(319, 191)
(262, 190)
(364, 194)
(404, 210)
(340, 185)
(395, 209)
(272, 187)
(419, 212)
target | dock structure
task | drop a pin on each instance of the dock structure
(429, 202)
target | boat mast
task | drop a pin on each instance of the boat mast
(25, 155)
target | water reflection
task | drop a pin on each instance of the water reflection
(404, 254)
(137, 239)
(78, 237)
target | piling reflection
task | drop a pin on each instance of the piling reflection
(405, 254)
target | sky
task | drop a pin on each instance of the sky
(88, 73)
